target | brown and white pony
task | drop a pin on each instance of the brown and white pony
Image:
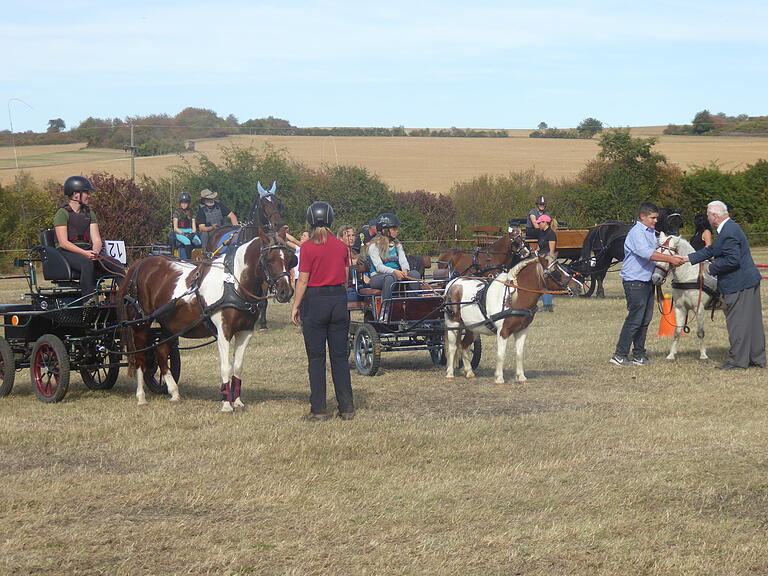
(504, 305)
(501, 255)
(265, 215)
(216, 297)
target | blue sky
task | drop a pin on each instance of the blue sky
(431, 64)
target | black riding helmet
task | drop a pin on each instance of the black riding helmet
(77, 184)
(387, 220)
(185, 197)
(320, 214)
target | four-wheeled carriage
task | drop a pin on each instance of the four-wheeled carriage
(412, 319)
(54, 333)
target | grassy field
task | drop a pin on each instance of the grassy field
(587, 469)
(433, 164)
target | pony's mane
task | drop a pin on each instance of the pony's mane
(513, 273)
(684, 247)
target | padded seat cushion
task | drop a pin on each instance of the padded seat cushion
(368, 292)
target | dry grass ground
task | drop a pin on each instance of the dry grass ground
(433, 164)
(587, 469)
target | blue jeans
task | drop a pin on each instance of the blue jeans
(639, 297)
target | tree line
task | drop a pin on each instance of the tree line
(705, 123)
(163, 134)
(625, 172)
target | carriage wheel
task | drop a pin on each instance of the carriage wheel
(438, 354)
(152, 377)
(7, 368)
(367, 347)
(102, 377)
(49, 369)
(590, 282)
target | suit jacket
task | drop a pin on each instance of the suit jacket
(733, 264)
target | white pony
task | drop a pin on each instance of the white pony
(692, 289)
(504, 305)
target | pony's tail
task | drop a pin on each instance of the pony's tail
(126, 331)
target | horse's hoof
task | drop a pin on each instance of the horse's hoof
(670, 357)
(522, 380)
(471, 376)
(175, 399)
(238, 404)
(142, 402)
(262, 328)
(499, 382)
(226, 407)
(450, 378)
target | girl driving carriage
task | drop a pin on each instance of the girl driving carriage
(387, 257)
(185, 227)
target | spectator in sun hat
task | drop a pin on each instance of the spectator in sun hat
(212, 214)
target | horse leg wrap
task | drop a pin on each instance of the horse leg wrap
(235, 387)
(226, 392)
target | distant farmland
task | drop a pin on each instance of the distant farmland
(433, 164)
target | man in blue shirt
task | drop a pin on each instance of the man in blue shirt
(636, 271)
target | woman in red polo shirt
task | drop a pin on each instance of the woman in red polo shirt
(321, 301)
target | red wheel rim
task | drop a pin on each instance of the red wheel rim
(46, 370)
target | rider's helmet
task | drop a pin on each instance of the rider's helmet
(185, 197)
(541, 201)
(77, 184)
(387, 220)
(320, 214)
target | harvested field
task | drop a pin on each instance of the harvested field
(433, 164)
(587, 469)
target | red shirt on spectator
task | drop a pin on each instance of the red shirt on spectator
(326, 263)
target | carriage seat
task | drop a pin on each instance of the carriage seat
(55, 266)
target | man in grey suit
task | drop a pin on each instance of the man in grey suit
(739, 281)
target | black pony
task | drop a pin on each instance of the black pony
(265, 215)
(604, 245)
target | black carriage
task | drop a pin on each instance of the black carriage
(411, 320)
(53, 332)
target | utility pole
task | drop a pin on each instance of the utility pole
(132, 149)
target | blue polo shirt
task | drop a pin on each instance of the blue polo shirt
(639, 246)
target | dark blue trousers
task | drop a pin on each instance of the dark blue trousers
(325, 318)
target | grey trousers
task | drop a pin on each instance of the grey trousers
(744, 318)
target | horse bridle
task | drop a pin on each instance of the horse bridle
(664, 248)
(566, 276)
(273, 280)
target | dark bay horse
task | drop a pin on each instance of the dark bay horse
(504, 305)
(265, 215)
(501, 255)
(202, 300)
(604, 245)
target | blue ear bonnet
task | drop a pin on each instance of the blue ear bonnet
(264, 193)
